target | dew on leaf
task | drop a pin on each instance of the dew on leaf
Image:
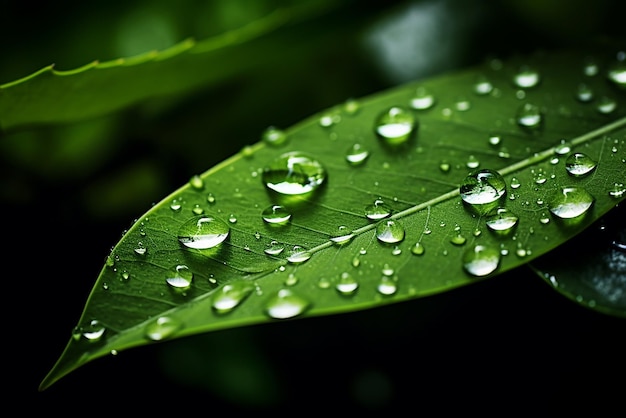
(286, 304)
(294, 173)
(395, 126)
(176, 205)
(323, 283)
(203, 232)
(482, 187)
(482, 86)
(617, 190)
(230, 295)
(563, 147)
(387, 286)
(274, 136)
(494, 139)
(617, 74)
(515, 183)
(342, 235)
(472, 162)
(480, 260)
(93, 331)
(347, 284)
(458, 239)
(377, 210)
(422, 99)
(418, 248)
(570, 202)
(210, 198)
(606, 105)
(179, 277)
(444, 166)
(196, 182)
(526, 77)
(529, 116)
(584, 93)
(501, 220)
(274, 248)
(351, 106)
(197, 209)
(357, 154)
(579, 164)
(390, 231)
(162, 328)
(298, 254)
(276, 215)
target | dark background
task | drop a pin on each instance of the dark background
(505, 345)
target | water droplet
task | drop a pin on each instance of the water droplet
(462, 104)
(203, 232)
(291, 280)
(347, 284)
(286, 304)
(357, 154)
(515, 183)
(298, 255)
(579, 164)
(387, 286)
(210, 198)
(501, 220)
(418, 248)
(377, 210)
(480, 260)
(229, 296)
(422, 99)
(179, 277)
(458, 239)
(606, 105)
(274, 248)
(584, 93)
(472, 162)
(162, 328)
(276, 215)
(294, 173)
(351, 106)
(274, 136)
(495, 139)
(526, 77)
(176, 205)
(617, 190)
(396, 125)
(196, 182)
(93, 331)
(482, 187)
(389, 231)
(342, 235)
(483, 86)
(323, 283)
(563, 147)
(329, 118)
(444, 166)
(617, 73)
(529, 116)
(571, 202)
(590, 68)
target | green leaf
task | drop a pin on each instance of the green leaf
(97, 88)
(473, 124)
(595, 274)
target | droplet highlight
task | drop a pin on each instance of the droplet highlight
(294, 173)
(203, 232)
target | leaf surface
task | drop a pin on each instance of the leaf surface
(473, 124)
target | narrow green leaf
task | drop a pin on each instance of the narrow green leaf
(317, 253)
(97, 88)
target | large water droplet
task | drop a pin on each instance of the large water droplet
(162, 327)
(276, 215)
(179, 277)
(396, 125)
(501, 220)
(481, 260)
(286, 304)
(579, 164)
(203, 232)
(229, 296)
(389, 231)
(294, 173)
(377, 210)
(482, 187)
(571, 202)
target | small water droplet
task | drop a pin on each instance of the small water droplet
(590, 67)
(472, 162)
(584, 93)
(482, 187)
(458, 239)
(396, 125)
(377, 210)
(347, 284)
(617, 73)
(563, 147)
(162, 328)
(93, 331)
(422, 99)
(176, 205)
(203, 232)
(579, 164)
(291, 280)
(444, 166)
(570, 202)
(357, 154)
(418, 248)
(387, 286)
(617, 190)
(529, 116)
(606, 105)
(329, 118)
(294, 173)
(196, 182)
(389, 231)
(501, 220)
(351, 106)
(286, 304)
(179, 277)
(274, 248)
(210, 198)
(342, 235)
(276, 215)
(274, 136)
(323, 283)
(494, 139)
(298, 254)
(515, 183)
(483, 86)
(480, 260)
(526, 77)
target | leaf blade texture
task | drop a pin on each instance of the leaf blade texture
(361, 206)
